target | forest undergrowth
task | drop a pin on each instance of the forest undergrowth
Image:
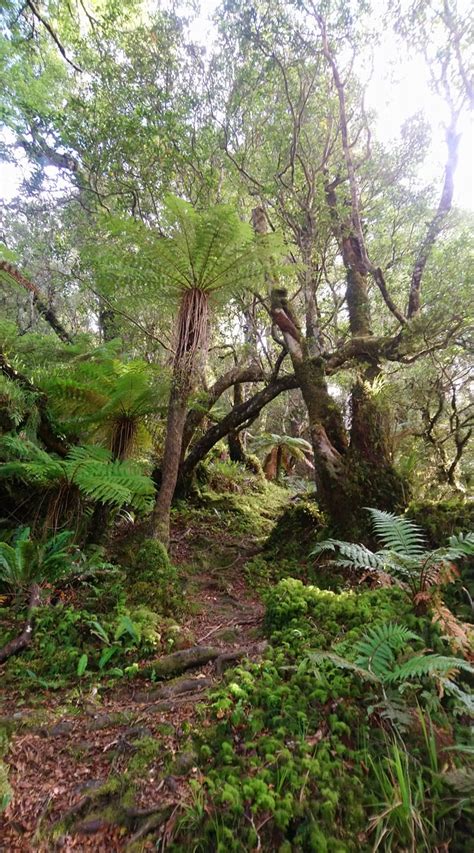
(245, 695)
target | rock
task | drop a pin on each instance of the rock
(160, 708)
(227, 635)
(105, 721)
(179, 687)
(84, 745)
(136, 733)
(64, 727)
(89, 786)
(89, 826)
(183, 763)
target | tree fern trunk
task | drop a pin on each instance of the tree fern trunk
(177, 411)
(191, 347)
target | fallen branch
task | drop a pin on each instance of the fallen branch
(177, 662)
(24, 639)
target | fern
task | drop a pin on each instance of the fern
(28, 561)
(404, 555)
(317, 657)
(377, 650)
(110, 482)
(353, 555)
(422, 665)
(90, 468)
(398, 534)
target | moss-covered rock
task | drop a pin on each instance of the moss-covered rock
(296, 529)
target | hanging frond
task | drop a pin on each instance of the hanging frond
(111, 482)
(397, 533)
(89, 468)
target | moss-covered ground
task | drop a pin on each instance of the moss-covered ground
(281, 740)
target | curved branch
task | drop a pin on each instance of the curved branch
(38, 300)
(236, 417)
(236, 375)
(48, 27)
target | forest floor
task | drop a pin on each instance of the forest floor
(69, 744)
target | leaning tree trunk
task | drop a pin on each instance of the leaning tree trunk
(328, 435)
(177, 411)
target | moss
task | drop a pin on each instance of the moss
(152, 560)
(147, 750)
(154, 581)
(296, 529)
(442, 519)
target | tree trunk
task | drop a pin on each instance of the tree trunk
(177, 411)
(372, 478)
(234, 439)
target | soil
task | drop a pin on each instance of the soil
(56, 763)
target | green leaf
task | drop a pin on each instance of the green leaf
(82, 664)
(126, 626)
(106, 655)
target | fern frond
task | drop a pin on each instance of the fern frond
(377, 650)
(459, 546)
(317, 657)
(397, 533)
(422, 665)
(110, 482)
(352, 554)
(466, 700)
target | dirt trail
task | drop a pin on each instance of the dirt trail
(57, 764)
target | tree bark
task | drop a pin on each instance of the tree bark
(177, 411)
(234, 439)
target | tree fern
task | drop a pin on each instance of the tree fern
(89, 468)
